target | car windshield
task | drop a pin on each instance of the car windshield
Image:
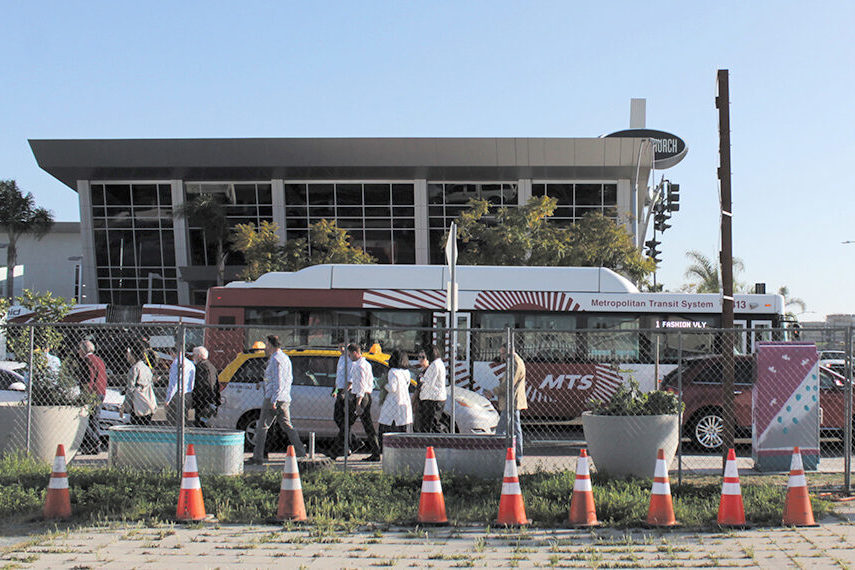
(832, 355)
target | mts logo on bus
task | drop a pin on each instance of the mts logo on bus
(573, 382)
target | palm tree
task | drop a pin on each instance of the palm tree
(19, 215)
(784, 292)
(206, 211)
(706, 273)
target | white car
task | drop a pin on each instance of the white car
(311, 400)
(833, 359)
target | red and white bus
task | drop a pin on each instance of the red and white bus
(581, 330)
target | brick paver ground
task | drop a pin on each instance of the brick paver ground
(258, 546)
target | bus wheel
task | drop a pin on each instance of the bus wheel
(706, 430)
(248, 424)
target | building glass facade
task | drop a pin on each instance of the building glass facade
(446, 201)
(134, 243)
(379, 216)
(576, 200)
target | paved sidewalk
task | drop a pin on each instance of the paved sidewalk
(258, 546)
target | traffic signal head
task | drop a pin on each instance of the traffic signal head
(652, 252)
(673, 197)
(659, 220)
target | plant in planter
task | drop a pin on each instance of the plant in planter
(625, 433)
(59, 409)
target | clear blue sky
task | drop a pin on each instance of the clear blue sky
(526, 69)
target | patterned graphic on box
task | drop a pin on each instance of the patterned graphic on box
(785, 399)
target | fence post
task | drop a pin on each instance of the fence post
(346, 443)
(452, 361)
(680, 408)
(30, 386)
(847, 416)
(179, 456)
(509, 379)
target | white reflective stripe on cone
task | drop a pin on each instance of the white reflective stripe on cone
(661, 470)
(582, 485)
(190, 483)
(511, 488)
(58, 483)
(431, 487)
(730, 469)
(431, 468)
(796, 463)
(661, 488)
(190, 464)
(290, 484)
(290, 464)
(582, 466)
(797, 481)
(59, 464)
(730, 489)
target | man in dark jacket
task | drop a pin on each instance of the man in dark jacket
(206, 390)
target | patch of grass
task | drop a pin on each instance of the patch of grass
(339, 501)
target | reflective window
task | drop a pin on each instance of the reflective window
(134, 245)
(378, 216)
(447, 200)
(576, 200)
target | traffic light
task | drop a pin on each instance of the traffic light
(673, 197)
(660, 216)
(652, 252)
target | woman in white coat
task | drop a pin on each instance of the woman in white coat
(396, 414)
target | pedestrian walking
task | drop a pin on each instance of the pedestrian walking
(361, 384)
(188, 377)
(518, 402)
(140, 401)
(93, 380)
(432, 392)
(206, 388)
(278, 377)
(342, 372)
(396, 412)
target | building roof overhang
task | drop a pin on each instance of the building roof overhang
(439, 159)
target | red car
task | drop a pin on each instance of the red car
(703, 421)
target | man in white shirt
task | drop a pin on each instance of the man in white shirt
(342, 372)
(188, 380)
(278, 377)
(361, 383)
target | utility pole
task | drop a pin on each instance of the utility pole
(722, 102)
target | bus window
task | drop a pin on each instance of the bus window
(554, 340)
(485, 345)
(407, 339)
(610, 346)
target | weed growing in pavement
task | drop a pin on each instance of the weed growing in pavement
(479, 544)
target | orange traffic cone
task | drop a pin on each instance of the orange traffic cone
(731, 512)
(511, 506)
(582, 511)
(431, 504)
(661, 511)
(291, 505)
(58, 501)
(191, 506)
(797, 509)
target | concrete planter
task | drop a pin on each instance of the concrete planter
(478, 455)
(218, 451)
(627, 445)
(49, 426)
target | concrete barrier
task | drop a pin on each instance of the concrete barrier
(478, 455)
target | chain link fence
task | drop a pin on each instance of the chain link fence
(112, 395)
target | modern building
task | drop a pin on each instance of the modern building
(396, 196)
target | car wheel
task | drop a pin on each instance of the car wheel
(248, 424)
(707, 430)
